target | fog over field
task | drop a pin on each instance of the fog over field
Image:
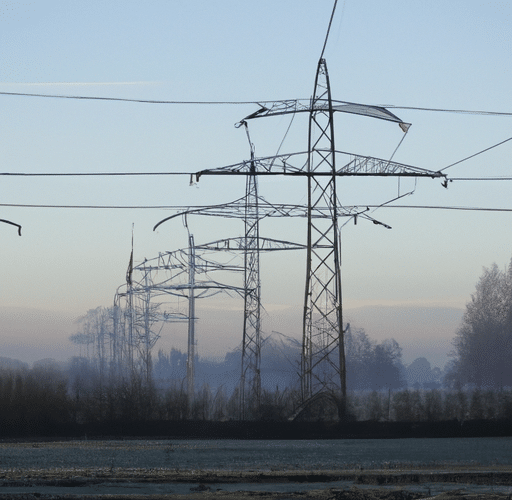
(32, 334)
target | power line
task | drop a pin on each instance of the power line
(88, 174)
(151, 101)
(446, 110)
(188, 174)
(181, 207)
(433, 207)
(328, 29)
(480, 178)
(102, 207)
(476, 154)
(120, 99)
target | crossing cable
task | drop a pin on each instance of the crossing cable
(446, 110)
(476, 154)
(328, 28)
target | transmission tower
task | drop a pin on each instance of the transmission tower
(322, 338)
(250, 381)
(141, 317)
(172, 274)
(250, 209)
(323, 355)
(191, 337)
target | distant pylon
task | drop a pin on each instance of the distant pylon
(250, 380)
(191, 342)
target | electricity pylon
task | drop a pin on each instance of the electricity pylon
(250, 245)
(323, 354)
(170, 274)
(250, 380)
(191, 337)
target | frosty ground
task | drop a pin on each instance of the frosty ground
(113, 469)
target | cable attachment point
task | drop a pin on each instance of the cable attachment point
(252, 115)
(378, 223)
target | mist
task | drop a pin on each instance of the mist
(30, 334)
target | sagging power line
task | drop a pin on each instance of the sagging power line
(244, 103)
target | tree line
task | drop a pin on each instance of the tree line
(95, 387)
(46, 400)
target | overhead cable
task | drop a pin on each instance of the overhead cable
(139, 174)
(105, 207)
(329, 28)
(86, 174)
(504, 178)
(121, 99)
(446, 110)
(151, 101)
(434, 207)
(476, 154)
(175, 207)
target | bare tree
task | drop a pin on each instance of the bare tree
(483, 344)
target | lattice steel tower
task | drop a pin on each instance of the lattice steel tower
(323, 355)
(250, 380)
(323, 371)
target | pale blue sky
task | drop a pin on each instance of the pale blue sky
(436, 54)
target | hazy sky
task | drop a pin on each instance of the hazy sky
(436, 54)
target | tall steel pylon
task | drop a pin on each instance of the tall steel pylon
(323, 368)
(191, 340)
(251, 208)
(250, 380)
(323, 354)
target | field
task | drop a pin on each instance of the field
(103, 469)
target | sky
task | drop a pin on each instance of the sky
(403, 54)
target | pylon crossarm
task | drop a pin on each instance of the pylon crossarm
(236, 210)
(368, 165)
(320, 104)
(258, 166)
(356, 165)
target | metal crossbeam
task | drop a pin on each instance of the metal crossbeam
(295, 165)
(323, 103)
